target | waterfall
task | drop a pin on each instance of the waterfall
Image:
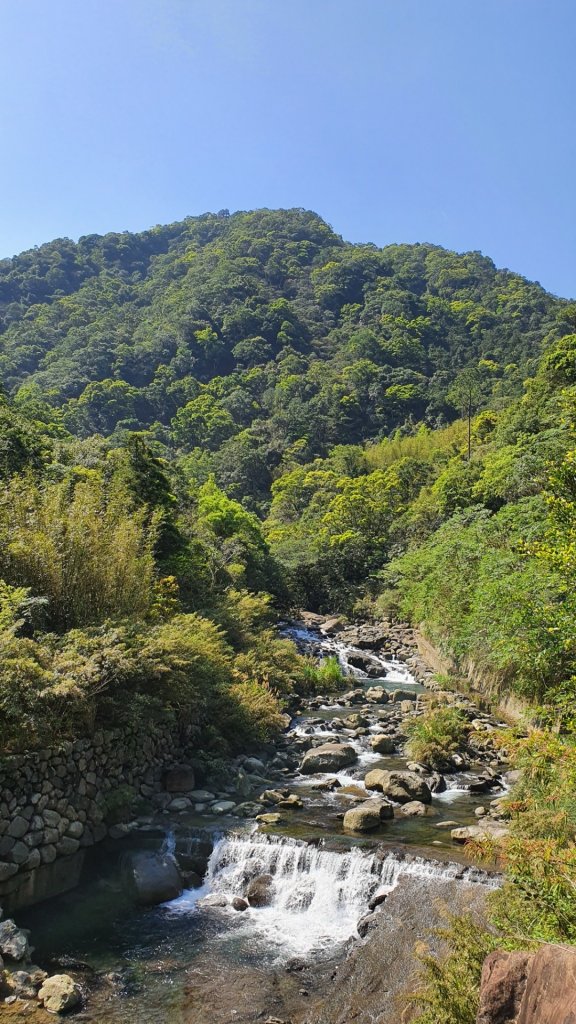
(316, 896)
(393, 671)
(168, 844)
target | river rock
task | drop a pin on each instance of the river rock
(331, 626)
(243, 785)
(377, 695)
(254, 765)
(328, 758)
(25, 984)
(180, 803)
(479, 833)
(291, 801)
(382, 744)
(13, 941)
(239, 903)
(60, 993)
(153, 877)
(259, 891)
(414, 809)
(247, 810)
(272, 796)
(399, 786)
(7, 870)
(367, 816)
(202, 796)
(366, 664)
(399, 695)
(327, 785)
(223, 807)
(271, 818)
(355, 721)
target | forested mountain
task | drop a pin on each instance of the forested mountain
(211, 421)
(237, 342)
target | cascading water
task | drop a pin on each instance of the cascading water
(316, 896)
(392, 671)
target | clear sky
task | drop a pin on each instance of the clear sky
(448, 121)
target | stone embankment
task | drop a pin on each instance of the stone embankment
(57, 802)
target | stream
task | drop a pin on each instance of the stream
(139, 962)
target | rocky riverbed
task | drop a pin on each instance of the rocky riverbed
(295, 866)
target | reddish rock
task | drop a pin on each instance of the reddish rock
(529, 988)
(502, 987)
(550, 996)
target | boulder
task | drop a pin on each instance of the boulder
(355, 721)
(18, 827)
(60, 993)
(254, 765)
(202, 796)
(259, 891)
(223, 807)
(366, 664)
(272, 796)
(362, 818)
(331, 626)
(414, 809)
(550, 988)
(240, 904)
(247, 810)
(368, 815)
(13, 941)
(271, 818)
(327, 785)
(382, 744)
(25, 984)
(291, 801)
(7, 870)
(377, 695)
(479, 833)
(329, 757)
(502, 987)
(153, 877)
(179, 779)
(399, 786)
(399, 695)
(180, 803)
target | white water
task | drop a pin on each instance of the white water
(317, 896)
(393, 671)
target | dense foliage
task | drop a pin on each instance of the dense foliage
(243, 343)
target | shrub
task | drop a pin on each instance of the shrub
(450, 984)
(435, 735)
(327, 675)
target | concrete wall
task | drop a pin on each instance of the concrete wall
(486, 684)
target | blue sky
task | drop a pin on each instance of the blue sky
(449, 121)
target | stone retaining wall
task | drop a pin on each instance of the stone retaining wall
(55, 803)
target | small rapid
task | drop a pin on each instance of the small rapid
(384, 670)
(315, 896)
